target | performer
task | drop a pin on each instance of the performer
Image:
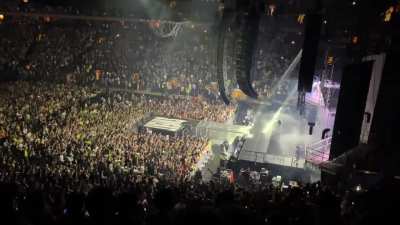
(298, 153)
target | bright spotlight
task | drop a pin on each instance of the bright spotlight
(272, 123)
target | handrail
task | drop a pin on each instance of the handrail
(318, 151)
(318, 155)
(323, 141)
(268, 158)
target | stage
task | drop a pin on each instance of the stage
(163, 124)
(280, 134)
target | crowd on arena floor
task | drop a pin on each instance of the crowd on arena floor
(71, 158)
(82, 133)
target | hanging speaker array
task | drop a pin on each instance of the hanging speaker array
(243, 18)
(310, 51)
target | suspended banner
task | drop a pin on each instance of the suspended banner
(238, 95)
(213, 87)
(135, 76)
(3, 134)
(99, 73)
(173, 84)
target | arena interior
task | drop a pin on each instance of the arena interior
(199, 112)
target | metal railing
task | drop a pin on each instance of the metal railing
(263, 157)
(319, 151)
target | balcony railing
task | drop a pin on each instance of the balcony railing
(319, 151)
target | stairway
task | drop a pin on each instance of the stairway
(318, 152)
(315, 154)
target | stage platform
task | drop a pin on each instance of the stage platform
(221, 131)
(260, 157)
(218, 134)
(165, 124)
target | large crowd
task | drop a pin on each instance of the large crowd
(131, 55)
(120, 55)
(83, 132)
(69, 156)
(69, 153)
